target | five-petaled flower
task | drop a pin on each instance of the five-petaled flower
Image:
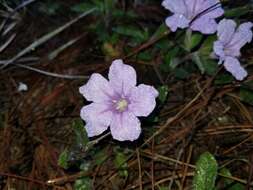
(117, 103)
(199, 15)
(230, 41)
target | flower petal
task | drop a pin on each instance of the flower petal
(204, 24)
(226, 30)
(142, 100)
(218, 48)
(242, 36)
(233, 66)
(122, 77)
(175, 6)
(125, 126)
(97, 89)
(97, 117)
(177, 21)
(210, 8)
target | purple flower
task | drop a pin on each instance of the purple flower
(230, 41)
(117, 103)
(199, 15)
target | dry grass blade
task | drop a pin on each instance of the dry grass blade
(46, 37)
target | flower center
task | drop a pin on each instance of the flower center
(121, 105)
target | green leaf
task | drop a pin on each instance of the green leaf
(100, 157)
(192, 40)
(207, 46)
(224, 79)
(121, 164)
(160, 32)
(206, 172)
(83, 184)
(145, 56)
(50, 8)
(246, 95)
(82, 7)
(163, 93)
(210, 66)
(198, 61)
(81, 134)
(132, 31)
(238, 12)
(63, 159)
(228, 183)
(85, 166)
(163, 188)
(181, 73)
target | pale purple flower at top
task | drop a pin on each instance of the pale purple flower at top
(230, 41)
(199, 15)
(117, 103)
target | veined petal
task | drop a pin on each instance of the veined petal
(142, 100)
(233, 66)
(97, 89)
(122, 77)
(226, 30)
(193, 7)
(125, 126)
(210, 8)
(242, 36)
(175, 6)
(204, 25)
(177, 21)
(97, 117)
(218, 48)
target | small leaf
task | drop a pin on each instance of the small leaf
(228, 183)
(121, 164)
(63, 159)
(192, 40)
(145, 56)
(163, 188)
(81, 134)
(163, 93)
(160, 32)
(100, 157)
(223, 79)
(181, 73)
(132, 31)
(82, 7)
(246, 95)
(210, 66)
(207, 46)
(206, 172)
(239, 11)
(83, 184)
(198, 61)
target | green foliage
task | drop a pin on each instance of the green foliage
(136, 33)
(246, 95)
(50, 7)
(120, 162)
(80, 132)
(192, 40)
(100, 157)
(206, 172)
(223, 79)
(163, 93)
(228, 183)
(84, 183)
(181, 73)
(63, 159)
(83, 7)
(238, 11)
